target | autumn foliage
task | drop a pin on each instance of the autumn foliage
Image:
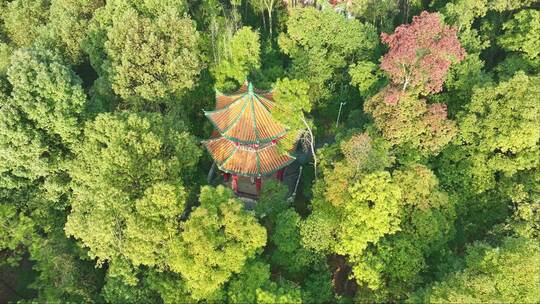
(411, 121)
(416, 172)
(421, 53)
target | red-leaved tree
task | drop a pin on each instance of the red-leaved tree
(421, 53)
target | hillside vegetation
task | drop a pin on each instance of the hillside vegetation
(418, 123)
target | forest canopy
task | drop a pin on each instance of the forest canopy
(415, 127)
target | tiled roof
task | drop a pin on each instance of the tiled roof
(244, 160)
(223, 100)
(245, 116)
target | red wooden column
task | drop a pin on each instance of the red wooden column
(280, 174)
(226, 177)
(235, 183)
(258, 185)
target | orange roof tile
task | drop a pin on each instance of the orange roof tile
(245, 116)
(247, 161)
(223, 100)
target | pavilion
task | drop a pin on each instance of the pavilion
(244, 146)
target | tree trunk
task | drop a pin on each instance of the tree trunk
(311, 145)
(213, 36)
(269, 8)
(211, 173)
(406, 12)
(270, 21)
(339, 113)
(405, 84)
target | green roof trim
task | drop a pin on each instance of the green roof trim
(250, 142)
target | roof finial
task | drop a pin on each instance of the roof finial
(250, 87)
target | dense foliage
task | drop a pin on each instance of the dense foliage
(416, 125)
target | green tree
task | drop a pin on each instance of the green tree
(16, 234)
(498, 134)
(323, 43)
(462, 79)
(265, 5)
(64, 276)
(289, 254)
(464, 76)
(23, 20)
(497, 142)
(367, 77)
(5, 55)
(3, 5)
(149, 53)
(462, 14)
(347, 225)
(518, 38)
(39, 126)
(170, 287)
(40, 123)
(67, 25)
(524, 193)
(522, 34)
(509, 5)
(216, 242)
(389, 226)
(379, 13)
(410, 122)
(129, 188)
(373, 197)
(282, 292)
(118, 290)
(396, 265)
(47, 92)
(366, 153)
(318, 287)
(241, 58)
(507, 273)
(357, 156)
(292, 104)
(272, 201)
(253, 285)
(412, 201)
(242, 288)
